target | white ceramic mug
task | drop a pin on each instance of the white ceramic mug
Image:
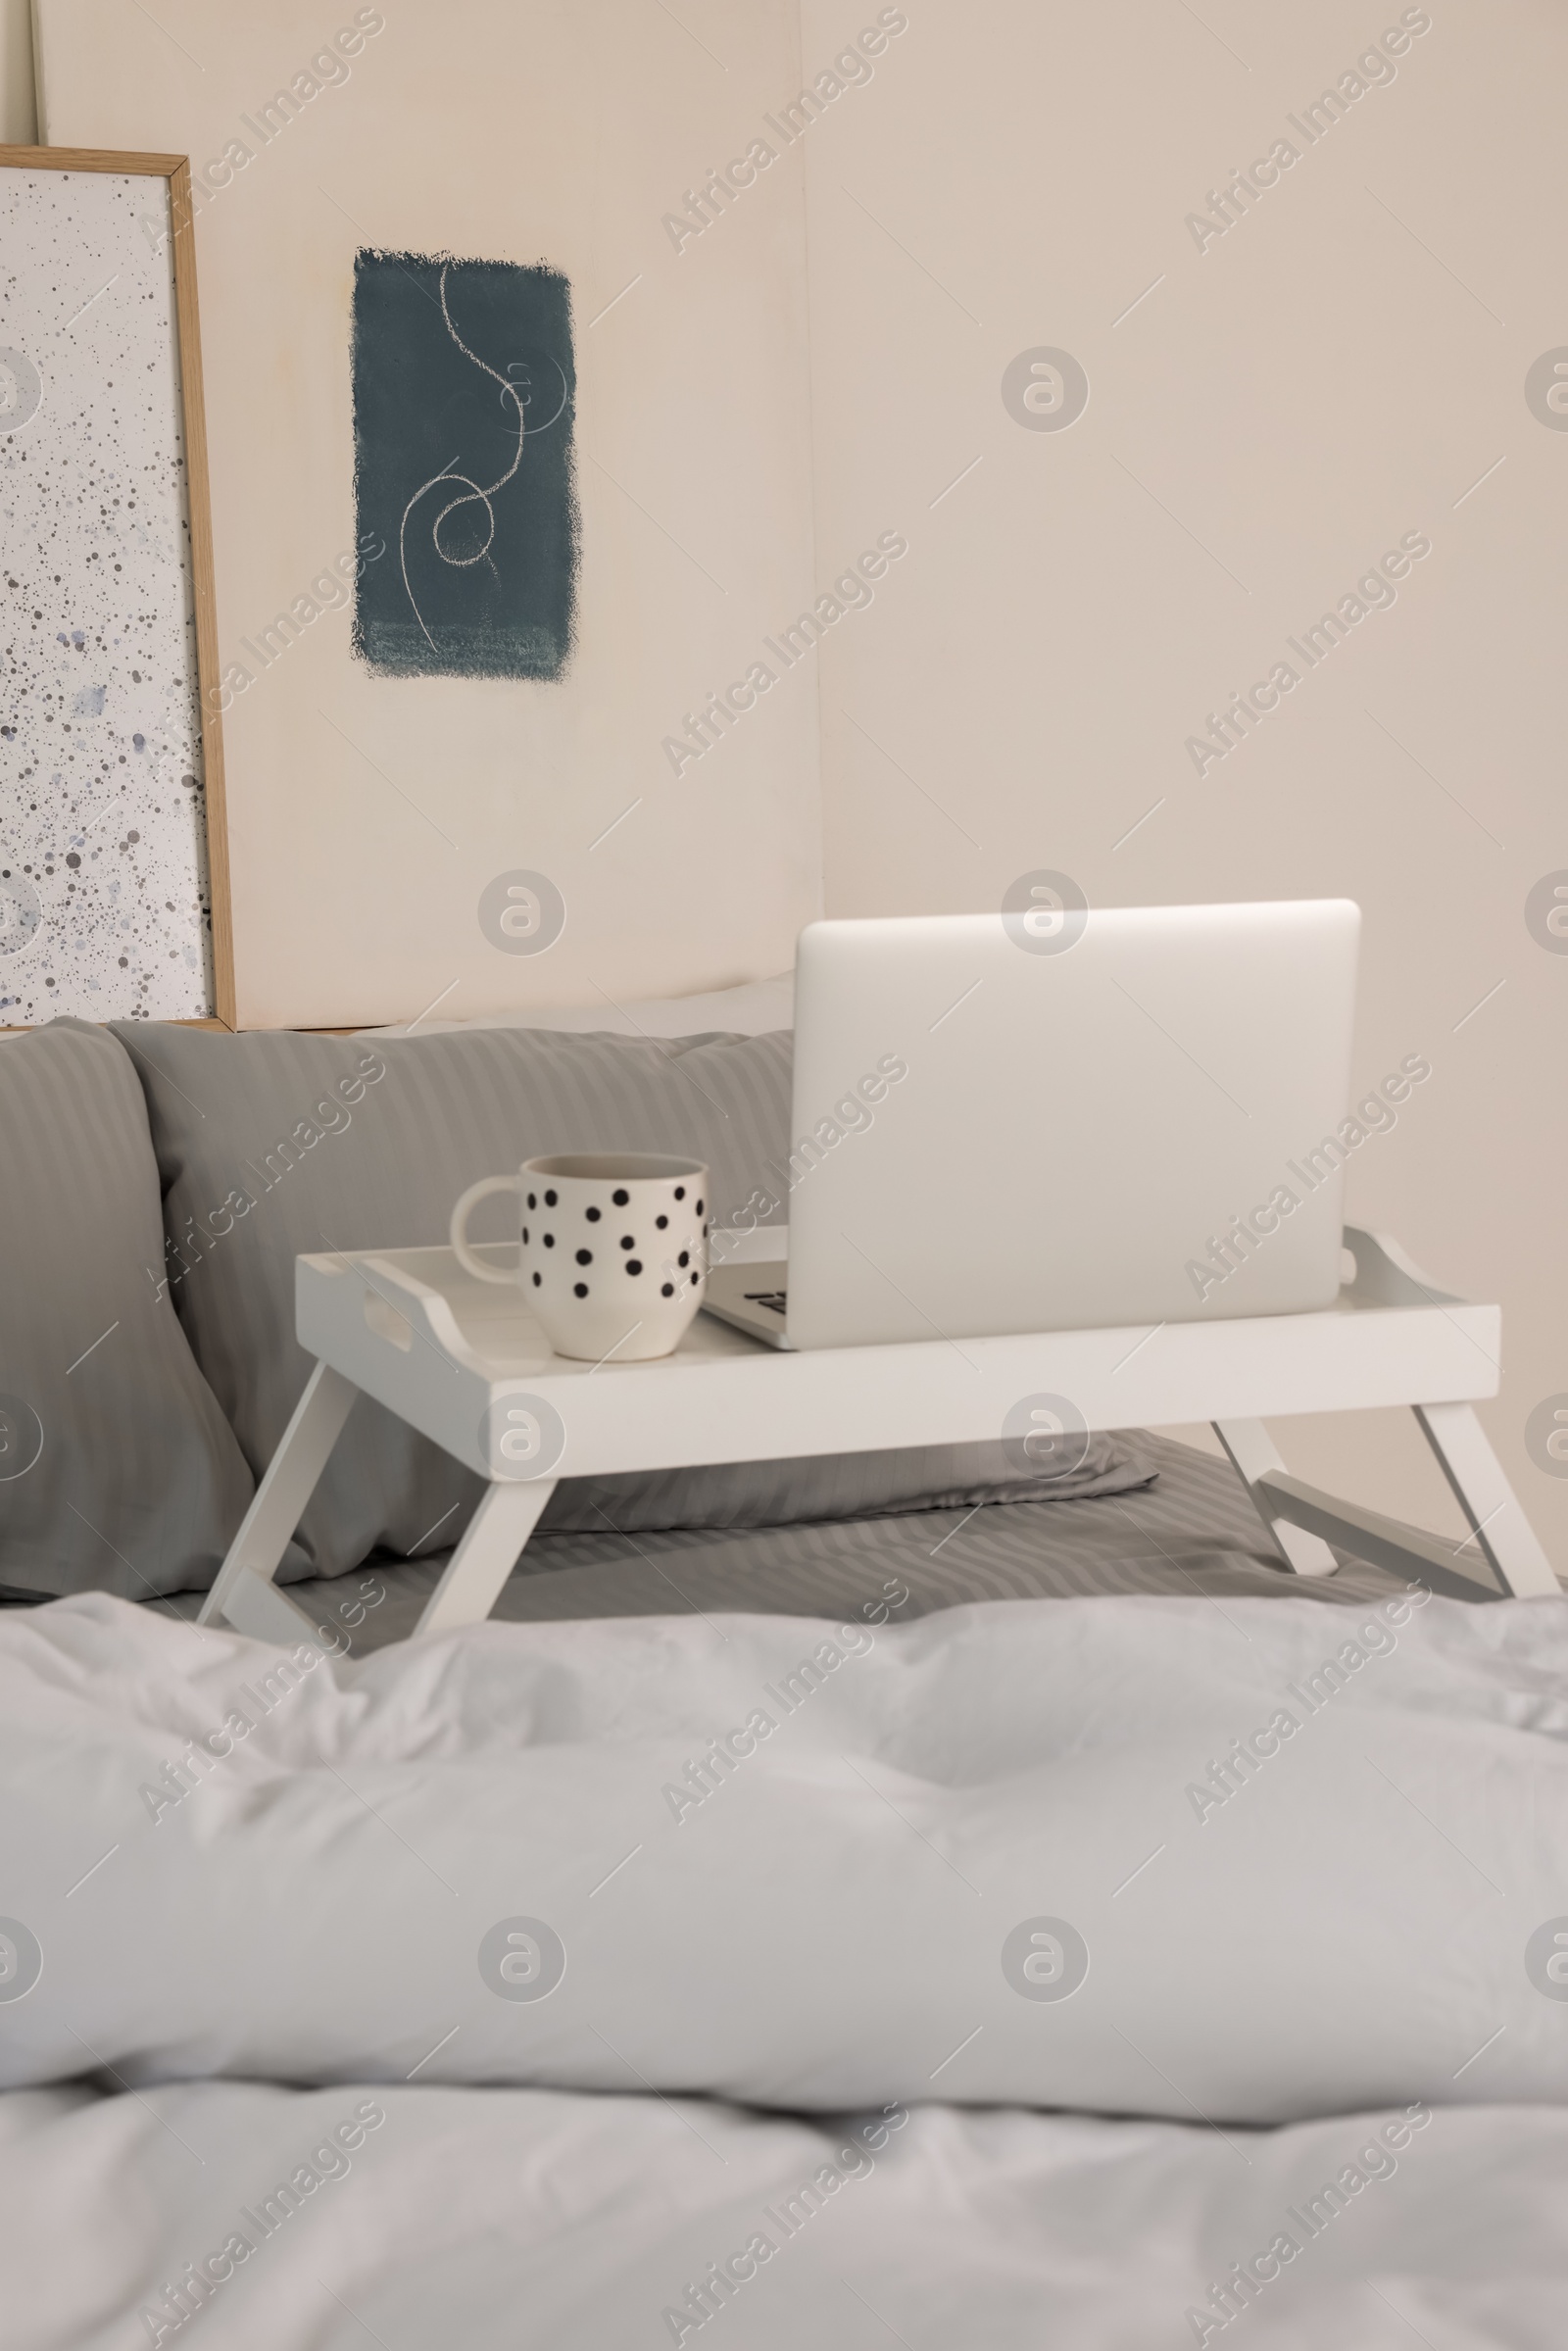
(614, 1253)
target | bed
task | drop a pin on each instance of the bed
(995, 1921)
(786, 2078)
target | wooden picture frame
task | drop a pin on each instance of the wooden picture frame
(176, 169)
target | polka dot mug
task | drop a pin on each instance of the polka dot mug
(614, 1252)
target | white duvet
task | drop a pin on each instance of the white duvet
(1250, 1862)
(239, 2217)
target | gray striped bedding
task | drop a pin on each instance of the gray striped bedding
(1192, 1531)
(116, 1470)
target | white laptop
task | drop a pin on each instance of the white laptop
(1124, 1116)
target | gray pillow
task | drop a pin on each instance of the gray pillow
(118, 1471)
(275, 1144)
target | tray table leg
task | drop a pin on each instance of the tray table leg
(290, 1481)
(1253, 1454)
(490, 1549)
(1499, 1527)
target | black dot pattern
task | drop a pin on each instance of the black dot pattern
(672, 1283)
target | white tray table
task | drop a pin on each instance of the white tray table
(464, 1363)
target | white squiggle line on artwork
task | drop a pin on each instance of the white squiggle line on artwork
(475, 493)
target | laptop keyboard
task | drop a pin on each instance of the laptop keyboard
(774, 1298)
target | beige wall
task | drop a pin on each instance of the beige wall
(368, 815)
(1283, 405)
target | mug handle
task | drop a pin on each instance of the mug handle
(458, 1231)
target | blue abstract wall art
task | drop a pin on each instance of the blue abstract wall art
(463, 406)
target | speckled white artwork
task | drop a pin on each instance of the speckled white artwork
(104, 906)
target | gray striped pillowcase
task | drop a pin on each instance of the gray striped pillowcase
(118, 1472)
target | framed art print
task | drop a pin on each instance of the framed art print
(114, 898)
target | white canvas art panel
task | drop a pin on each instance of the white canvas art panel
(104, 899)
